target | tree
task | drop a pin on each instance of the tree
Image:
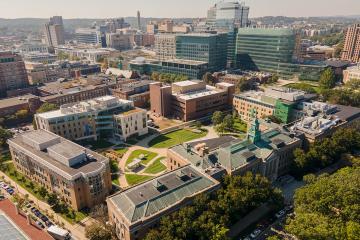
(4, 136)
(210, 215)
(52, 199)
(209, 79)
(273, 79)
(228, 122)
(42, 191)
(97, 231)
(328, 208)
(353, 84)
(47, 107)
(21, 114)
(327, 79)
(217, 117)
(243, 85)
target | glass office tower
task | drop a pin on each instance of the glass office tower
(206, 47)
(268, 50)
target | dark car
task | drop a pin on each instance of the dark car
(48, 223)
(44, 218)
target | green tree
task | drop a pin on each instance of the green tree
(47, 107)
(52, 199)
(243, 85)
(21, 114)
(228, 122)
(217, 117)
(328, 208)
(4, 136)
(98, 231)
(353, 84)
(209, 79)
(327, 79)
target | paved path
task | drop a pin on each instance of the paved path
(162, 152)
(77, 231)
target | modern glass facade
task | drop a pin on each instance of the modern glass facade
(191, 69)
(268, 50)
(210, 48)
(272, 50)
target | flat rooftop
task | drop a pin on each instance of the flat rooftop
(64, 148)
(150, 198)
(96, 104)
(186, 83)
(9, 102)
(198, 94)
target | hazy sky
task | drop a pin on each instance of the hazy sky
(169, 8)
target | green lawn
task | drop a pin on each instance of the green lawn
(309, 88)
(174, 138)
(135, 154)
(156, 167)
(240, 126)
(133, 179)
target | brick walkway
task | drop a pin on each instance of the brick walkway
(32, 232)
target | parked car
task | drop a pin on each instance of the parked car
(44, 218)
(280, 214)
(38, 223)
(10, 191)
(2, 197)
(4, 186)
(255, 233)
(48, 223)
(28, 205)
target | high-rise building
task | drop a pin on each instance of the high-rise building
(226, 15)
(54, 32)
(152, 28)
(118, 23)
(88, 36)
(269, 50)
(351, 51)
(138, 20)
(206, 47)
(12, 72)
(165, 46)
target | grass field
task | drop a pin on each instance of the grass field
(240, 126)
(135, 154)
(307, 87)
(133, 179)
(174, 138)
(156, 167)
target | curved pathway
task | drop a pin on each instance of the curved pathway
(162, 152)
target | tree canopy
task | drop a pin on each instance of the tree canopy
(327, 79)
(328, 208)
(211, 215)
(217, 117)
(4, 136)
(328, 150)
(168, 77)
(209, 79)
(47, 107)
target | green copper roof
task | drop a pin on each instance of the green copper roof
(147, 199)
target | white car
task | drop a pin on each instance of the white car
(255, 233)
(280, 214)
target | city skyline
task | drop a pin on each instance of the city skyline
(171, 8)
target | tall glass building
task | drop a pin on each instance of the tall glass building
(268, 50)
(205, 47)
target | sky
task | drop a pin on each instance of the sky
(170, 8)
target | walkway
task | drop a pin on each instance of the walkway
(76, 230)
(162, 152)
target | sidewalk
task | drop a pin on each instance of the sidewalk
(76, 230)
